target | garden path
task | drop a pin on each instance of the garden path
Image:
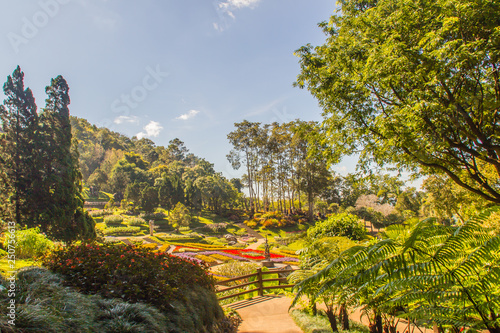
(265, 314)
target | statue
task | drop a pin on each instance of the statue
(266, 251)
(151, 227)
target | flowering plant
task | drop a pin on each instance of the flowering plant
(132, 273)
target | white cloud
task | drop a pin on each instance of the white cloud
(188, 115)
(126, 119)
(226, 9)
(152, 129)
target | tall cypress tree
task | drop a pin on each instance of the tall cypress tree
(63, 213)
(18, 155)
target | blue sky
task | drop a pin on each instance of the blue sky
(168, 68)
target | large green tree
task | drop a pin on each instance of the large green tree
(62, 215)
(414, 84)
(18, 157)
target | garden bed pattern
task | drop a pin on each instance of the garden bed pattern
(215, 257)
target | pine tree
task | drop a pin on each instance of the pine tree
(18, 155)
(63, 215)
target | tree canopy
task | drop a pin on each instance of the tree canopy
(414, 84)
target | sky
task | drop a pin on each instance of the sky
(166, 69)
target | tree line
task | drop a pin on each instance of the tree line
(146, 176)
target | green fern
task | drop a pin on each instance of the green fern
(429, 272)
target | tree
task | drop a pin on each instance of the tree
(179, 216)
(62, 215)
(18, 154)
(149, 199)
(414, 84)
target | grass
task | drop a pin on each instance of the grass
(320, 323)
(103, 196)
(20, 263)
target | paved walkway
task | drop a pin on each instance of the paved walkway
(265, 314)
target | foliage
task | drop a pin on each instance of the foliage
(30, 243)
(18, 161)
(44, 304)
(149, 199)
(342, 224)
(179, 217)
(100, 212)
(135, 221)
(41, 180)
(123, 231)
(131, 273)
(216, 227)
(113, 219)
(152, 216)
(443, 274)
(412, 84)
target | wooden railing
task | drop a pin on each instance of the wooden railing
(259, 282)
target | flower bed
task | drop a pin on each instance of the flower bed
(206, 259)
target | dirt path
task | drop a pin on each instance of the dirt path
(265, 314)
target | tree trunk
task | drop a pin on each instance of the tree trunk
(344, 317)
(332, 319)
(378, 323)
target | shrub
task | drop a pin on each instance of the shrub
(216, 227)
(135, 221)
(100, 212)
(343, 224)
(271, 223)
(121, 231)
(40, 300)
(113, 220)
(272, 215)
(132, 273)
(153, 216)
(30, 243)
(118, 316)
(252, 223)
(44, 304)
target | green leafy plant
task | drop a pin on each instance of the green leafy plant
(113, 220)
(135, 221)
(427, 272)
(342, 224)
(126, 272)
(30, 243)
(124, 231)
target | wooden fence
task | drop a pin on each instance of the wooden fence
(259, 282)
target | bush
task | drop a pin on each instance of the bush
(153, 216)
(132, 273)
(343, 224)
(252, 223)
(216, 227)
(113, 220)
(44, 304)
(135, 221)
(121, 231)
(100, 212)
(118, 316)
(30, 243)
